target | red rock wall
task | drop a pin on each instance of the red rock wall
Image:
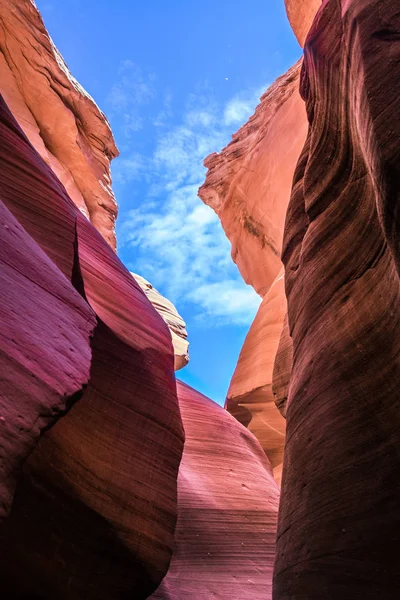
(227, 514)
(301, 14)
(96, 494)
(96, 503)
(250, 396)
(248, 185)
(339, 522)
(59, 118)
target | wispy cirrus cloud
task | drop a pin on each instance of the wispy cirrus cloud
(178, 242)
(131, 91)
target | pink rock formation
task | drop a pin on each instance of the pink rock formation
(95, 507)
(60, 119)
(250, 398)
(339, 522)
(248, 184)
(228, 503)
(301, 14)
(176, 324)
(44, 345)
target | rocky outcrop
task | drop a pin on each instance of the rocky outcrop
(339, 521)
(250, 397)
(95, 505)
(59, 118)
(173, 319)
(228, 503)
(301, 14)
(45, 348)
(248, 183)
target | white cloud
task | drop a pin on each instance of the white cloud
(236, 111)
(241, 107)
(179, 242)
(132, 90)
(227, 300)
(128, 169)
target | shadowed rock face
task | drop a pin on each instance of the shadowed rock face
(227, 512)
(301, 14)
(58, 116)
(95, 506)
(176, 324)
(283, 368)
(339, 521)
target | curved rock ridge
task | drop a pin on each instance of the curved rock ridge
(58, 116)
(248, 183)
(95, 506)
(283, 368)
(339, 522)
(228, 503)
(173, 319)
(301, 14)
(45, 351)
(250, 397)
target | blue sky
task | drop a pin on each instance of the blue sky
(176, 78)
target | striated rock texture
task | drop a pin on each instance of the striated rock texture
(339, 521)
(250, 398)
(301, 14)
(59, 118)
(248, 184)
(44, 347)
(228, 503)
(283, 368)
(95, 506)
(173, 319)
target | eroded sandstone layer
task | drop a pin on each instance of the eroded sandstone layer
(95, 505)
(58, 116)
(339, 521)
(173, 319)
(250, 397)
(301, 14)
(228, 501)
(248, 183)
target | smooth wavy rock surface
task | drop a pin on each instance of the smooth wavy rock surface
(228, 503)
(95, 507)
(250, 398)
(58, 116)
(173, 319)
(248, 183)
(301, 14)
(283, 368)
(45, 352)
(339, 522)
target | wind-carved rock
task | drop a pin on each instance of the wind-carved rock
(248, 185)
(173, 319)
(58, 116)
(250, 396)
(95, 501)
(339, 522)
(227, 509)
(301, 14)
